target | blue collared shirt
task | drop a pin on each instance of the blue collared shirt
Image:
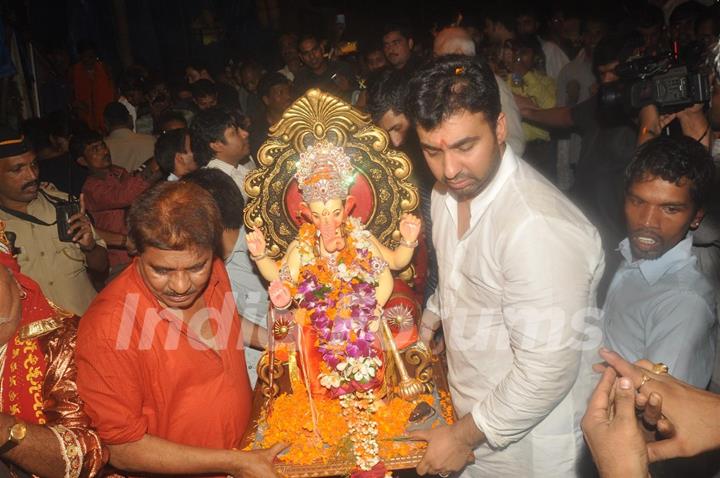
(663, 310)
(250, 295)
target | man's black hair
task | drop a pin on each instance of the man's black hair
(448, 85)
(172, 116)
(686, 11)
(36, 132)
(209, 127)
(269, 80)
(614, 48)
(387, 91)
(58, 123)
(130, 82)
(305, 37)
(225, 192)
(203, 88)
(675, 160)
(167, 146)
(403, 30)
(371, 47)
(649, 16)
(529, 9)
(116, 114)
(198, 64)
(81, 140)
(592, 17)
(501, 14)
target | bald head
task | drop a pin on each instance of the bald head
(453, 40)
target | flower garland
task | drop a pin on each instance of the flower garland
(338, 295)
(358, 410)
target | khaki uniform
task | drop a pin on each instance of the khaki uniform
(59, 267)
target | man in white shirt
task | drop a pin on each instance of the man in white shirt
(529, 25)
(518, 266)
(218, 142)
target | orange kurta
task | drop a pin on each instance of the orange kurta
(92, 93)
(140, 372)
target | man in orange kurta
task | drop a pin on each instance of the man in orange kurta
(92, 87)
(161, 365)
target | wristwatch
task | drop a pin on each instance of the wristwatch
(16, 435)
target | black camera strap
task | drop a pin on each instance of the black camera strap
(29, 217)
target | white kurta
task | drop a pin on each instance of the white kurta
(513, 296)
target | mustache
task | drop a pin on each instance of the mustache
(184, 294)
(457, 178)
(30, 184)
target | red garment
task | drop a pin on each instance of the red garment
(38, 376)
(25, 364)
(92, 93)
(107, 199)
(162, 382)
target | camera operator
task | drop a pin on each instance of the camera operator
(610, 135)
(31, 212)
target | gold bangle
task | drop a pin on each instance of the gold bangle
(258, 257)
(411, 245)
(286, 307)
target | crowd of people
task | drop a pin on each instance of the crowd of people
(557, 221)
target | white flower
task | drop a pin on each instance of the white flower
(330, 380)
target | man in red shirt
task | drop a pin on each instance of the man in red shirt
(108, 192)
(161, 366)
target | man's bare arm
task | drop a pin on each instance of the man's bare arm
(152, 455)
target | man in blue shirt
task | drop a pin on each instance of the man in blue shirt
(659, 306)
(249, 291)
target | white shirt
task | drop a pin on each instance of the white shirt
(515, 134)
(236, 173)
(578, 71)
(285, 71)
(555, 58)
(512, 295)
(131, 109)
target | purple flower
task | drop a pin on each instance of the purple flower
(364, 295)
(309, 285)
(342, 326)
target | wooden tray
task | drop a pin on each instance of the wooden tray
(432, 374)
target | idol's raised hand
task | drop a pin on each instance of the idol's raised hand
(409, 227)
(256, 243)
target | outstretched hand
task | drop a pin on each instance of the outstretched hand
(256, 242)
(612, 431)
(692, 414)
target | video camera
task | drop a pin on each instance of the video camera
(661, 80)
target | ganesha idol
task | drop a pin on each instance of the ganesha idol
(336, 276)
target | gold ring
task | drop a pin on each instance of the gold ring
(645, 380)
(660, 368)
